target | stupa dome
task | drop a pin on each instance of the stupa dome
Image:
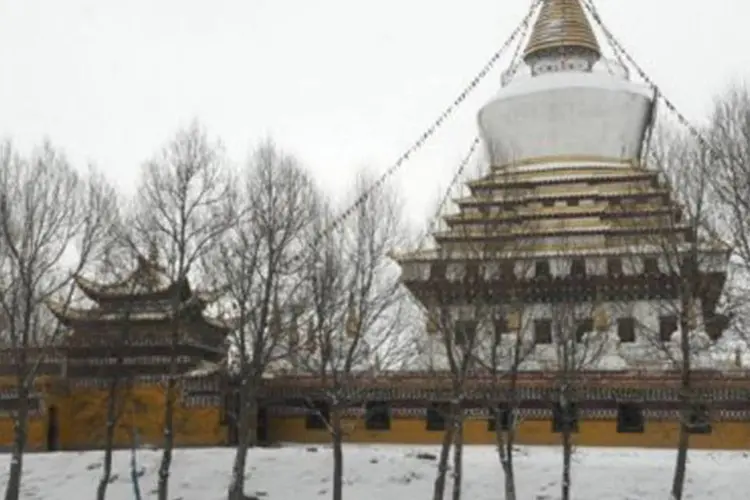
(570, 106)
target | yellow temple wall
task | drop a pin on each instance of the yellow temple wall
(82, 412)
(657, 434)
(36, 433)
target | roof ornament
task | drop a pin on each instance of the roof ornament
(562, 29)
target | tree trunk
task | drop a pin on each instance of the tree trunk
(505, 454)
(247, 406)
(20, 422)
(458, 443)
(439, 488)
(338, 454)
(109, 439)
(678, 480)
(134, 474)
(166, 457)
(567, 444)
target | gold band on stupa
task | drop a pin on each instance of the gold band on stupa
(561, 24)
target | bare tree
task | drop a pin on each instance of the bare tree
(119, 381)
(680, 252)
(578, 339)
(51, 222)
(185, 204)
(256, 263)
(729, 136)
(474, 306)
(353, 307)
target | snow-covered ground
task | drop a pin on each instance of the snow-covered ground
(390, 472)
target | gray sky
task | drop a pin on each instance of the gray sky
(340, 83)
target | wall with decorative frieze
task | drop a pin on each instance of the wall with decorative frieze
(533, 429)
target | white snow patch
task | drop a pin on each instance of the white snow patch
(393, 472)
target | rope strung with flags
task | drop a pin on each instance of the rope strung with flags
(436, 124)
(620, 50)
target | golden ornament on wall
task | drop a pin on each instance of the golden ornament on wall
(601, 319)
(514, 321)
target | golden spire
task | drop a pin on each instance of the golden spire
(561, 24)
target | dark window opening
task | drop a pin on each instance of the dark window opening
(614, 267)
(667, 327)
(377, 416)
(548, 203)
(688, 266)
(699, 421)
(615, 202)
(465, 332)
(626, 329)
(578, 268)
(508, 270)
(318, 416)
(541, 269)
(630, 418)
(472, 272)
(12, 404)
(543, 331)
(436, 417)
(501, 326)
(565, 417)
(573, 202)
(584, 327)
(438, 270)
(504, 415)
(650, 265)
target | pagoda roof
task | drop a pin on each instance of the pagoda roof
(196, 302)
(148, 278)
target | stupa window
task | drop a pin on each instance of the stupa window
(584, 327)
(565, 417)
(508, 270)
(650, 265)
(318, 416)
(543, 331)
(573, 202)
(614, 267)
(500, 325)
(667, 326)
(542, 269)
(436, 413)
(438, 270)
(465, 332)
(500, 414)
(578, 268)
(626, 330)
(472, 271)
(548, 203)
(377, 416)
(630, 418)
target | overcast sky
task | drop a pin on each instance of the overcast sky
(342, 84)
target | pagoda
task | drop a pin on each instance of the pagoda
(129, 336)
(570, 218)
(134, 319)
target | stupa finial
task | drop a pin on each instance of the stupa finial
(561, 25)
